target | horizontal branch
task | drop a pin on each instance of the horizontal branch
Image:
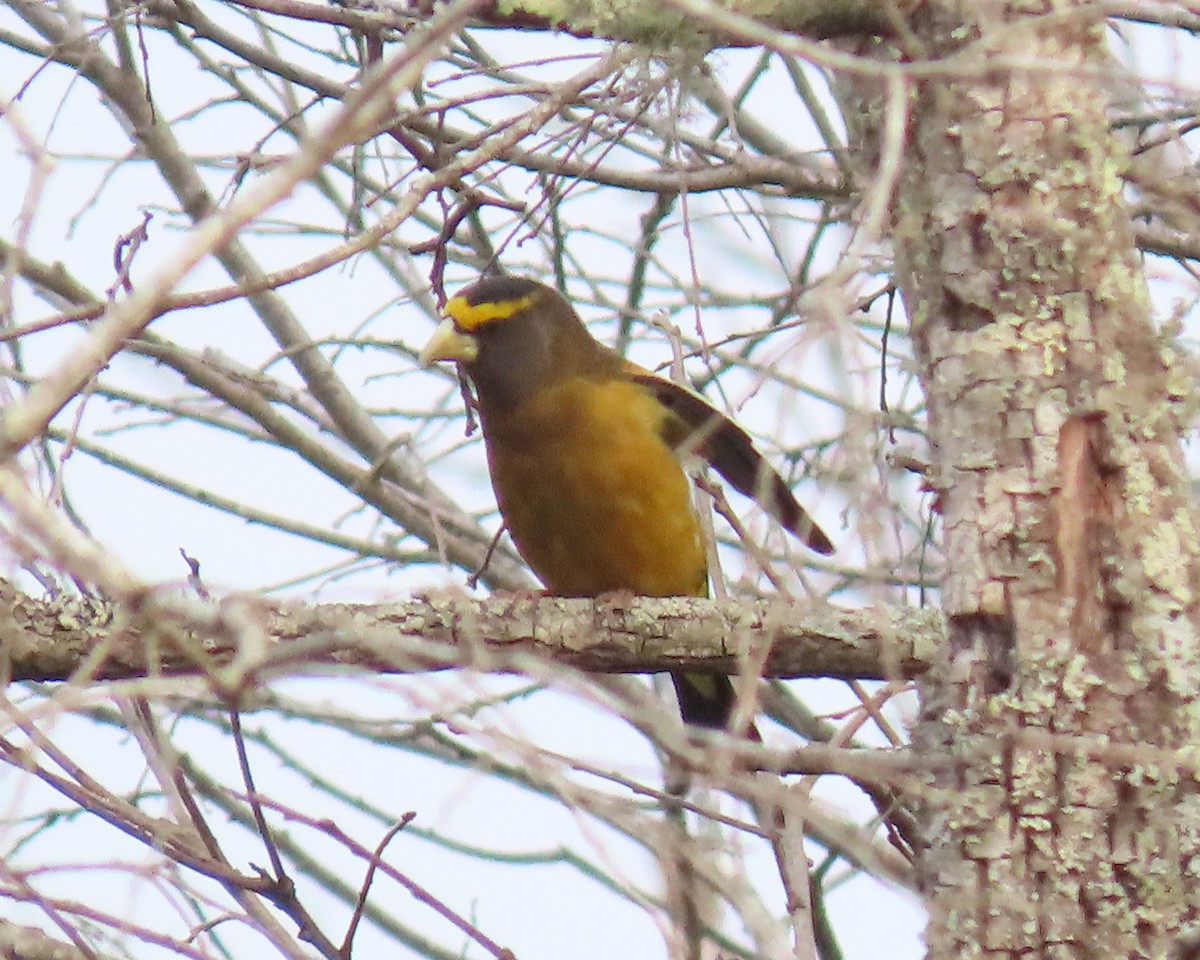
(51, 640)
(818, 19)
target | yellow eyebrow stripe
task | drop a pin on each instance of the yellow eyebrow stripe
(471, 316)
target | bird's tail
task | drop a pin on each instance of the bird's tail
(706, 700)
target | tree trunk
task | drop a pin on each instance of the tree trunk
(1062, 816)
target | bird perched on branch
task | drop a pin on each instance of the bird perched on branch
(585, 449)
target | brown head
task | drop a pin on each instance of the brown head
(515, 336)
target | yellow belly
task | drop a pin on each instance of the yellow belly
(593, 497)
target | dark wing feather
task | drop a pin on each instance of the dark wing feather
(729, 450)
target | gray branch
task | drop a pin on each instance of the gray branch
(53, 640)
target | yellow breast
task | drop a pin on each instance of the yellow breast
(593, 497)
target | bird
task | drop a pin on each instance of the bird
(586, 453)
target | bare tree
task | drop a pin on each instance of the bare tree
(275, 684)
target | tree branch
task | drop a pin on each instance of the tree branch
(58, 640)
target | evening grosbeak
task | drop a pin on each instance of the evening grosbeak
(585, 449)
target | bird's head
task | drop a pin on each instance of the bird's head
(513, 336)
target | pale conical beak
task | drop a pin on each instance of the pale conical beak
(449, 343)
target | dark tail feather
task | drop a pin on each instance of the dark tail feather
(706, 700)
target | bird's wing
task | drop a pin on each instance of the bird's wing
(728, 449)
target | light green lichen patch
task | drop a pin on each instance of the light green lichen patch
(1160, 561)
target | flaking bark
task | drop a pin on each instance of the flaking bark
(1070, 537)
